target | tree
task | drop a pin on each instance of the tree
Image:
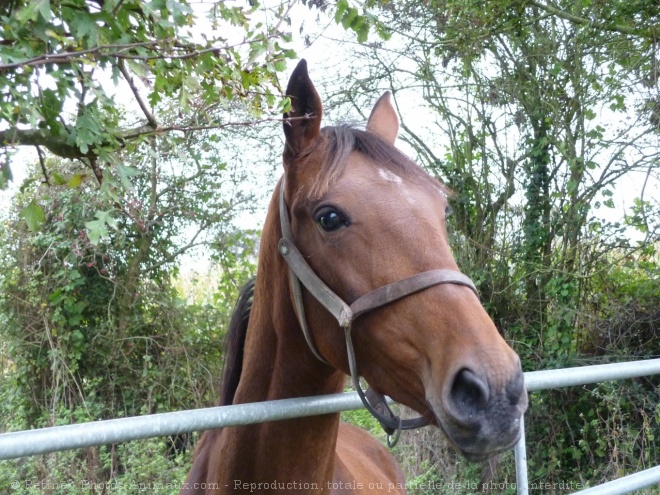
(57, 58)
(96, 330)
(93, 324)
(538, 114)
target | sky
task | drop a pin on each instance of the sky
(326, 48)
(322, 55)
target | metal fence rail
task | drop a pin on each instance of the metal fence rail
(57, 438)
(566, 377)
(45, 440)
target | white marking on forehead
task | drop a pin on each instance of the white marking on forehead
(395, 179)
(389, 176)
(408, 195)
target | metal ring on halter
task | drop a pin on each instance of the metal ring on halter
(392, 441)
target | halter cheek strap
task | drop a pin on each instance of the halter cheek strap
(301, 272)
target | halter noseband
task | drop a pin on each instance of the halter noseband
(301, 272)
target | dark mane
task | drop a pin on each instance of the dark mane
(344, 139)
(235, 344)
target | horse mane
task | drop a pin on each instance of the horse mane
(344, 139)
(235, 344)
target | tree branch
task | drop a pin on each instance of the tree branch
(60, 147)
(129, 79)
(172, 256)
(587, 22)
(67, 57)
(116, 52)
(183, 56)
(38, 137)
(42, 163)
(145, 131)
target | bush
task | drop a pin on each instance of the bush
(100, 330)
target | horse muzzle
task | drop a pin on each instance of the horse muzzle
(480, 418)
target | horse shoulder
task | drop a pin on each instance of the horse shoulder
(364, 466)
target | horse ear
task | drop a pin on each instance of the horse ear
(306, 111)
(383, 121)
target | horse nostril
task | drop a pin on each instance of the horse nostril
(469, 393)
(515, 388)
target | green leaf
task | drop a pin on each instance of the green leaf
(363, 32)
(125, 173)
(286, 105)
(5, 175)
(98, 229)
(58, 179)
(342, 6)
(32, 10)
(618, 103)
(95, 231)
(51, 105)
(43, 7)
(383, 32)
(82, 24)
(75, 180)
(34, 216)
(349, 17)
(56, 297)
(138, 67)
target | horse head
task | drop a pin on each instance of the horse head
(364, 216)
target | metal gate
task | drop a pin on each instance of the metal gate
(42, 441)
(566, 377)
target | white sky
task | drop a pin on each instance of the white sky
(324, 54)
(326, 51)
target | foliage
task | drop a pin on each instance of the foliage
(433, 466)
(92, 300)
(64, 66)
(84, 322)
(56, 54)
(537, 111)
(90, 471)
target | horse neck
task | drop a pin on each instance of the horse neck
(277, 361)
(278, 364)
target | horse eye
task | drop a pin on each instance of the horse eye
(449, 211)
(331, 220)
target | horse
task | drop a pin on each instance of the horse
(355, 277)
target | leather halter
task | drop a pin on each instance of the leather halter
(345, 314)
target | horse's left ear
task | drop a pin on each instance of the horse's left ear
(383, 120)
(304, 124)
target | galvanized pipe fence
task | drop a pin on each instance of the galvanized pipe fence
(567, 377)
(58, 438)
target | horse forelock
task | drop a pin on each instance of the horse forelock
(336, 146)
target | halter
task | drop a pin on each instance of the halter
(345, 314)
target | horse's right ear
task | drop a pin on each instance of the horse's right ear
(302, 123)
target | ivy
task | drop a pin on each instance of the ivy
(33, 214)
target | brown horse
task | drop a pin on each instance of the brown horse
(369, 226)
